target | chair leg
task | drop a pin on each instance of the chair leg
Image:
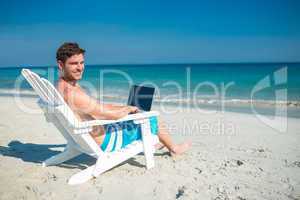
(82, 176)
(89, 173)
(147, 144)
(105, 163)
(67, 154)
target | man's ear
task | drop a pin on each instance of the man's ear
(60, 65)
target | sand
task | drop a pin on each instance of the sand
(245, 159)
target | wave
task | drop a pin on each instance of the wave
(233, 102)
(172, 101)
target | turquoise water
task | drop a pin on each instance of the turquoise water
(180, 83)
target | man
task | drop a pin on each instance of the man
(70, 60)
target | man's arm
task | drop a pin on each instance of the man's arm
(112, 106)
(81, 102)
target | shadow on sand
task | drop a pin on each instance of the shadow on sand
(37, 153)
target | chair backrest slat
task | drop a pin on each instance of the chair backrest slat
(46, 92)
(34, 84)
(56, 98)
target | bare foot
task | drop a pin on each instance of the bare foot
(159, 146)
(179, 149)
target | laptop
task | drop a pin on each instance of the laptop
(141, 97)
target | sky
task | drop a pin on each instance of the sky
(137, 32)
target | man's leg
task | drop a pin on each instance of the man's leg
(98, 134)
(165, 139)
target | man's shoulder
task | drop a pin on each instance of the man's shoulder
(68, 91)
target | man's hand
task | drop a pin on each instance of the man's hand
(133, 109)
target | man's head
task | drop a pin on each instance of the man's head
(70, 60)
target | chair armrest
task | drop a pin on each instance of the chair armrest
(144, 115)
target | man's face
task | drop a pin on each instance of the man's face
(73, 67)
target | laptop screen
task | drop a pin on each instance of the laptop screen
(141, 97)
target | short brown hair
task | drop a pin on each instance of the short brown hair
(67, 50)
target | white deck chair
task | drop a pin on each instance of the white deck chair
(77, 134)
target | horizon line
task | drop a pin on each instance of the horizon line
(179, 63)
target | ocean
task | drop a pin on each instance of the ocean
(224, 87)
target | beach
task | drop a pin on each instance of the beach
(234, 156)
(223, 76)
